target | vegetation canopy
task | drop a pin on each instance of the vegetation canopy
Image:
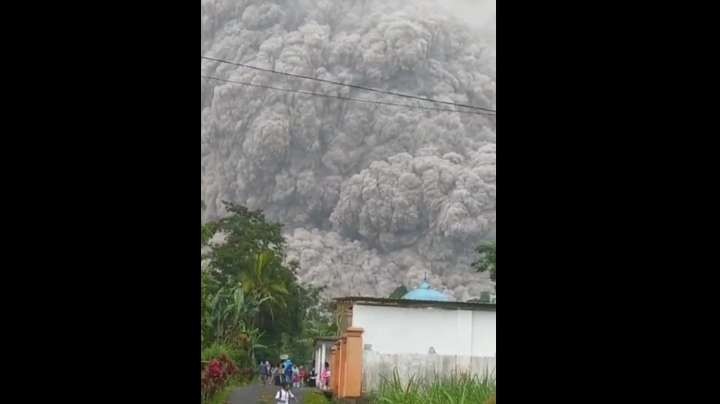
(253, 307)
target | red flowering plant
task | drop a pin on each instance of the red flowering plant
(228, 366)
(215, 369)
(216, 374)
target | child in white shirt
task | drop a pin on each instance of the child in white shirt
(284, 395)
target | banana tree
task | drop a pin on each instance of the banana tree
(249, 340)
(230, 311)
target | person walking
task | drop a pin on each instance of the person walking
(313, 379)
(296, 376)
(284, 395)
(282, 365)
(303, 376)
(262, 370)
(277, 375)
(288, 372)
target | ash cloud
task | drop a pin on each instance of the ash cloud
(372, 196)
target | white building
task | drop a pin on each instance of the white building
(422, 334)
(322, 356)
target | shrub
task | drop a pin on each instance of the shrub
(239, 356)
(216, 350)
(316, 398)
(246, 374)
(216, 374)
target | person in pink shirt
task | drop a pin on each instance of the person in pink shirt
(325, 376)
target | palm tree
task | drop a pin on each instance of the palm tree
(264, 284)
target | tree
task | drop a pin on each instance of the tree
(228, 316)
(246, 235)
(250, 293)
(486, 260)
(399, 292)
(485, 297)
(250, 257)
(264, 282)
(316, 320)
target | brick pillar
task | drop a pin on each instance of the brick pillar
(352, 374)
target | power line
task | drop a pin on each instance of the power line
(348, 85)
(341, 97)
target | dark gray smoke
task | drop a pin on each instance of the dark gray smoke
(372, 196)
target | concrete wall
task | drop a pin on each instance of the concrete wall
(404, 330)
(377, 366)
(423, 341)
(483, 333)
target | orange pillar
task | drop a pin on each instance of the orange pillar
(334, 365)
(331, 362)
(341, 367)
(352, 374)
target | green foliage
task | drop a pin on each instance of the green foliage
(240, 356)
(486, 260)
(252, 253)
(452, 389)
(252, 301)
(222, 396)
(315, 319)
(228, 320)
(216, 350)
(265, 282)
(206, 232)
(247, 234)
(314, 397)
(399, 292)
(217, 374)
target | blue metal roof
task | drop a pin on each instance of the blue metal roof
(424, 292)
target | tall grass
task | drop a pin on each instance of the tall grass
(451, 389)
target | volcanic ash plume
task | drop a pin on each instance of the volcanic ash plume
(372, 195)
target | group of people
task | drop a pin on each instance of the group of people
(284, 372)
